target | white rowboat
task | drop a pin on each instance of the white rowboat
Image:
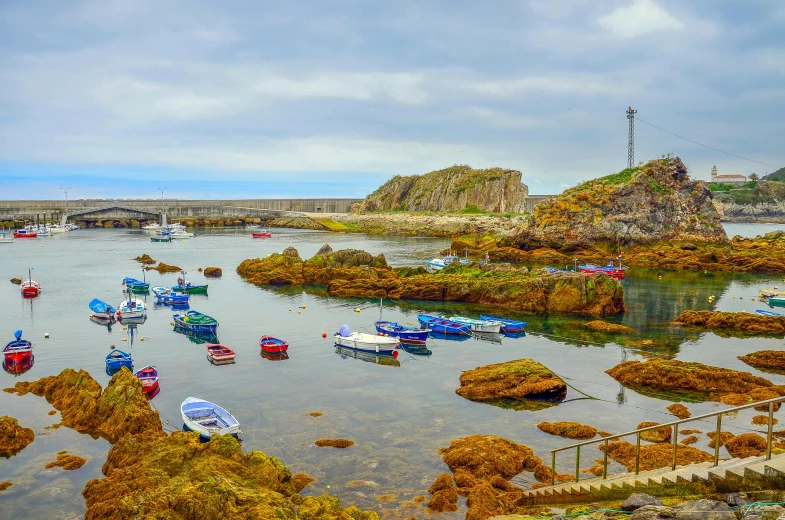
(208, 418)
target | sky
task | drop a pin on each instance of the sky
(258, 99)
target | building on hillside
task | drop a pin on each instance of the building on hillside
(732, 178)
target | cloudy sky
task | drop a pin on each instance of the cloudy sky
(245, 98)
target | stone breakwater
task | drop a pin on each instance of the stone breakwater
(430, 225)
(354, 273)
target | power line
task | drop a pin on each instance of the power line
(705, 145)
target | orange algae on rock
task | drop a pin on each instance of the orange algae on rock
(766, 360)
(316, 414)
(300, 480)
(679, 410)
(4, 486)
(570, 430)
(657, 435)
(736, 321)
(484, 456)
(612, 328)
(121, 409)
(543, 473)
(520, 384)
(655, 456)
(66, 461)
(334, 443)
(177, 476)
(13, 437)
(213, 272)
(483, 503)
(445, 494)
(746, 445)
(724, 438)
(692, 439)
(164, 268)
(145, 259)
(764, 420)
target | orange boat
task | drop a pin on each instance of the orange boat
(262, 234)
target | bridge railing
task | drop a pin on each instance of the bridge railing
(674, 438)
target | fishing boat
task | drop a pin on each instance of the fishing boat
(17, 369)
(219, 354)
(5, 238)
(181, 234)
(185, 286)
(208, 418)
(169, 297)
(365, 342)
(25, 233)
(30, 288)
(102, 311)
(261, 234)
(149, 378)
(273, 345)
(771, 293)
(478, 325)
(132, 308)
(439, 324)
(768, 313)
(509, 326)
(117, 359)
(18, 350)
(437, 264)
(137, 286)
(405, 334)
(777, 302)
(160, 238)
(610, 269)
(196, 321)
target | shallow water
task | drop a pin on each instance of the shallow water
(399, 414)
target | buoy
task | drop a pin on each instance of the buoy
(298, 312)
(112, 346)
(395, 354)
(125, 339)
(172, 324)
(328, 486)
(46, 334)
(734, 297)
(660, 277)
(290, 310)
(324, 334)
(357, 309)
(141, 339)
(41, 245)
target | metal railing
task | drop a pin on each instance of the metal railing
(674, 439)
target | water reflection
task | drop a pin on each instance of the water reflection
(17, 368)
(274, 356)
(199, 338)
(370, 357)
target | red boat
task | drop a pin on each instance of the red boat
(610, 269)
(149, 378)
(30, 288)
(273, 345)
(262, 234)
(219, 353)
(18, 351)
(16, 369)
(23, 233)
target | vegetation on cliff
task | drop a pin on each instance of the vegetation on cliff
(13, 437)
(521, 384)
(733, 321)
(451, 189)
(358, 274)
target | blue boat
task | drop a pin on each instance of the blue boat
(507, 325)
(196, 322)
(134, 285)
(169, 297)
(404, 333)
(118, 359)
(768, 313)
(103, 313)
(438, 324)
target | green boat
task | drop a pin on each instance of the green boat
(160, 239)
(190, 289)
(777, 302)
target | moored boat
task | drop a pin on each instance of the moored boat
(5, 238)
(478, 325)
(777, 302)
(19, 350)
(131, 308)
(185, 286)
(405, 334)
(149, 378)
(261, 234)
(102, 311)
(768, 313)
(273, 345)
(371, 357)
(196, 322)
(167, 296)
(117, 359)
(507, 325)
(30, 288)
(610, 269)
(219, 353)
(160, 238)
(365, 342)
(208, 418)
(25, 233)
(17, 369)
(438, 324)
(134, 285)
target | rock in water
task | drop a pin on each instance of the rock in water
(484, 456)
(450, 190)
(66, 461)
(16, 281)
(638, 500)
(213, 272)
(773, 360)
(13, 438)
(612, 328)
(569, 430)
(145, 259)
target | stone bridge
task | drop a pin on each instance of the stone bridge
(110, 212)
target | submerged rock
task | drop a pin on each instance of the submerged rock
(177, 476)
(612, 328)
(145, 259)
(656, 435)
(519, 384)
(13, 437)
(16, 281)
(66, 461)
(164, 268)
(570, 430)
(334, 443)
(484, 456)
(5, 485)
(735, 321)
(121, 409)
(766, 360)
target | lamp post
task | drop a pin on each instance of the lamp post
(66, 197)
(162, 194)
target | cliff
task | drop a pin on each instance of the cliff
(452, 189)
(650, 203)
(757, 202)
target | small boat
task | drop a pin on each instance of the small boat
(181, 233)
(25, 233)
(161, 238)
(102, 311)
(19, 350)
(770, 293)
(437, 264)
(404, 333)
(5, 238)
(478, 325)
(149, 378)
(769, 313)
(134, 285)
(196, 322)
(219, 353)
(17, 369)
(57, 229)
(131, 308)
(273, 345)
(185, 286)
(30, 288)
(261, 234)
(438, 324)
(117, 359)
(507, 325)
(610, 269)
(207, 418)
(169, 297)
(777, 302)
(366, 342)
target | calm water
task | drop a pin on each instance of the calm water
(398, 414)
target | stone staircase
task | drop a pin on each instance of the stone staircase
(749, 474)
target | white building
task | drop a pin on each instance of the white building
(732, 178)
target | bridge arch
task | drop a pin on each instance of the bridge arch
(110, 212)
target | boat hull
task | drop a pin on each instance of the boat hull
(437, 324)
(116, 362)
(509, 326)
(20, 234)
(149, 378)
(203, 329)
(261, 235)
(368, 343)
(273, 345)
(404, 334)
(208, 419)
(219, 354)
(192, 289)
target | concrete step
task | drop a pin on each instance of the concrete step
(768, 468)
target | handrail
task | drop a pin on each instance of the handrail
(674, 437)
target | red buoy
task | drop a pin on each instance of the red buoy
(324, 334)
(395, 354)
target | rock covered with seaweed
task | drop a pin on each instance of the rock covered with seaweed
(13, 437)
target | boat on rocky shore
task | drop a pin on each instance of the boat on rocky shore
(208, 418)
(149, 378)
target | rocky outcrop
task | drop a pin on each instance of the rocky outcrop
(519, 384)
(733, 321)
(66, 461)
(568, 430)
(13, 437)
(773, 360)
(486, 456)
(654, 202)
(453, 189)
(213, 272)
(353, 273)
(164, 268)
(429, 225)
(145, 259)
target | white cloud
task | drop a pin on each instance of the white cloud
(639, 18)
(557, 84)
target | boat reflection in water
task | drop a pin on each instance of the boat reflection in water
(274, 356)
(492, 337)
(515, 334)
(19, 367)
(416, 349)
(379, 359)
(200, 338)
(449, 337)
